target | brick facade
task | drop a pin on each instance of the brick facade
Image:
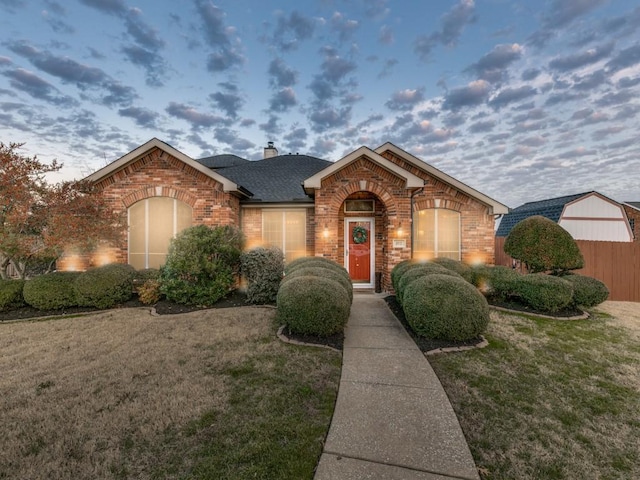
(634, 221)
(157, 173)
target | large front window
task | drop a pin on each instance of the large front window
(153, 222)
(285, 229)
(436, 233)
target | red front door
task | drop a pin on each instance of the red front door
(359, 250)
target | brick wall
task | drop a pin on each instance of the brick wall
(634, 219)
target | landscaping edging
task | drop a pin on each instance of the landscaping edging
(584, 315)
(435, 351)
(286, 339)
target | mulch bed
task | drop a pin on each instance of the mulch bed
(163, 307)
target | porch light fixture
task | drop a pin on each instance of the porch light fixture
(325, 232)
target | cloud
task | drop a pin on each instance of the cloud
(452, 24)
(405, 99)
(492, 66)
(142, 116)
(334, 67)
(219, 37)
(561, 14)
(296, 139)
(150, 61)
(385, 35)
(625, 58)
(283, 100)
(621, 97)
(482, 126)
(13, 6)
(534, 141)
(376, 9)
(591, 81)
(112, 7)
(271, 126)
(343, 27)
(232, 138)
(38, 88)
(281, 75)
(290, 31)
(530, 74)
(228, 101)
(322, 147)
(197, 119)
(510, 95)
(52, 17)
(577, 153)
(329, 118)
(475, 93)
(70, 71)
(606, 132)
(563, 97)
(581, 59)
(388, 67)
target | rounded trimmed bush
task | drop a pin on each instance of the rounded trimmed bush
(445, 307)
(398, 271)
(202, 264)
(543, 245)
(544, 293)
(52, 291)
(587, 291)
(501, 281)
(263, 269)
(106, 286)
(462, 269)
(306, 262)
(311, 305)
(419, 271)
(319, 271)
(11, 294)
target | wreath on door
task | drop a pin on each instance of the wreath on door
(359, 235)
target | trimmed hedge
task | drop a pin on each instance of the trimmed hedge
(319, 271)
(11, 295)
(263, 269)
(306, 262)
(53, 291)
(587, 291)
(462, 269)
(398, 271)
(106, 286)
(202, 264)
(312, 305)
(501, 281)
(445, 307)
(544, 293)
(417, 271)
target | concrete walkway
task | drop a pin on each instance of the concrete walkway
(392, 419)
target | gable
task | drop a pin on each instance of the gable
(139, 153)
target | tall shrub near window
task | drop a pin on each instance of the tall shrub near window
(202, 264)
(436, 233)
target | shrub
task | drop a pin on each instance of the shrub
(324, 273)
(312, 305)
(587, 291)
(306, 262)
(149, 292)
(462, 269)
(543, 245)
(202, 264)
(500, 281)
(11, 295)
(106, 286)
(445, 307)
(544, 293)
(263, 269)
(52, 291)
(397, 272)
(419, 270)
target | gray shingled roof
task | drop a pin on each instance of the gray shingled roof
(275, 179)
(551, 208)
(222, 161)
(634, 204)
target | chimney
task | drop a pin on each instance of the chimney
(270, 151)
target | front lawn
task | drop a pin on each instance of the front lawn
(122, 394)
(551, 399)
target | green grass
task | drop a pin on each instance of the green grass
(549, 399)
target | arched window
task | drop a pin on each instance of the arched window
(153, 222)
(436, 233)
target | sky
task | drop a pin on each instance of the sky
(520, 99)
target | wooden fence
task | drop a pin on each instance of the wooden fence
(616, 264)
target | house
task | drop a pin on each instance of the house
(632, 209)
(367, 211)
(586, 216)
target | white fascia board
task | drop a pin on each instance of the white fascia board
(227, 185)
(498, 208)
(412, 181)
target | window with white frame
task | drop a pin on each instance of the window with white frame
(285, 229)
(153, 222)
(436, 233)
